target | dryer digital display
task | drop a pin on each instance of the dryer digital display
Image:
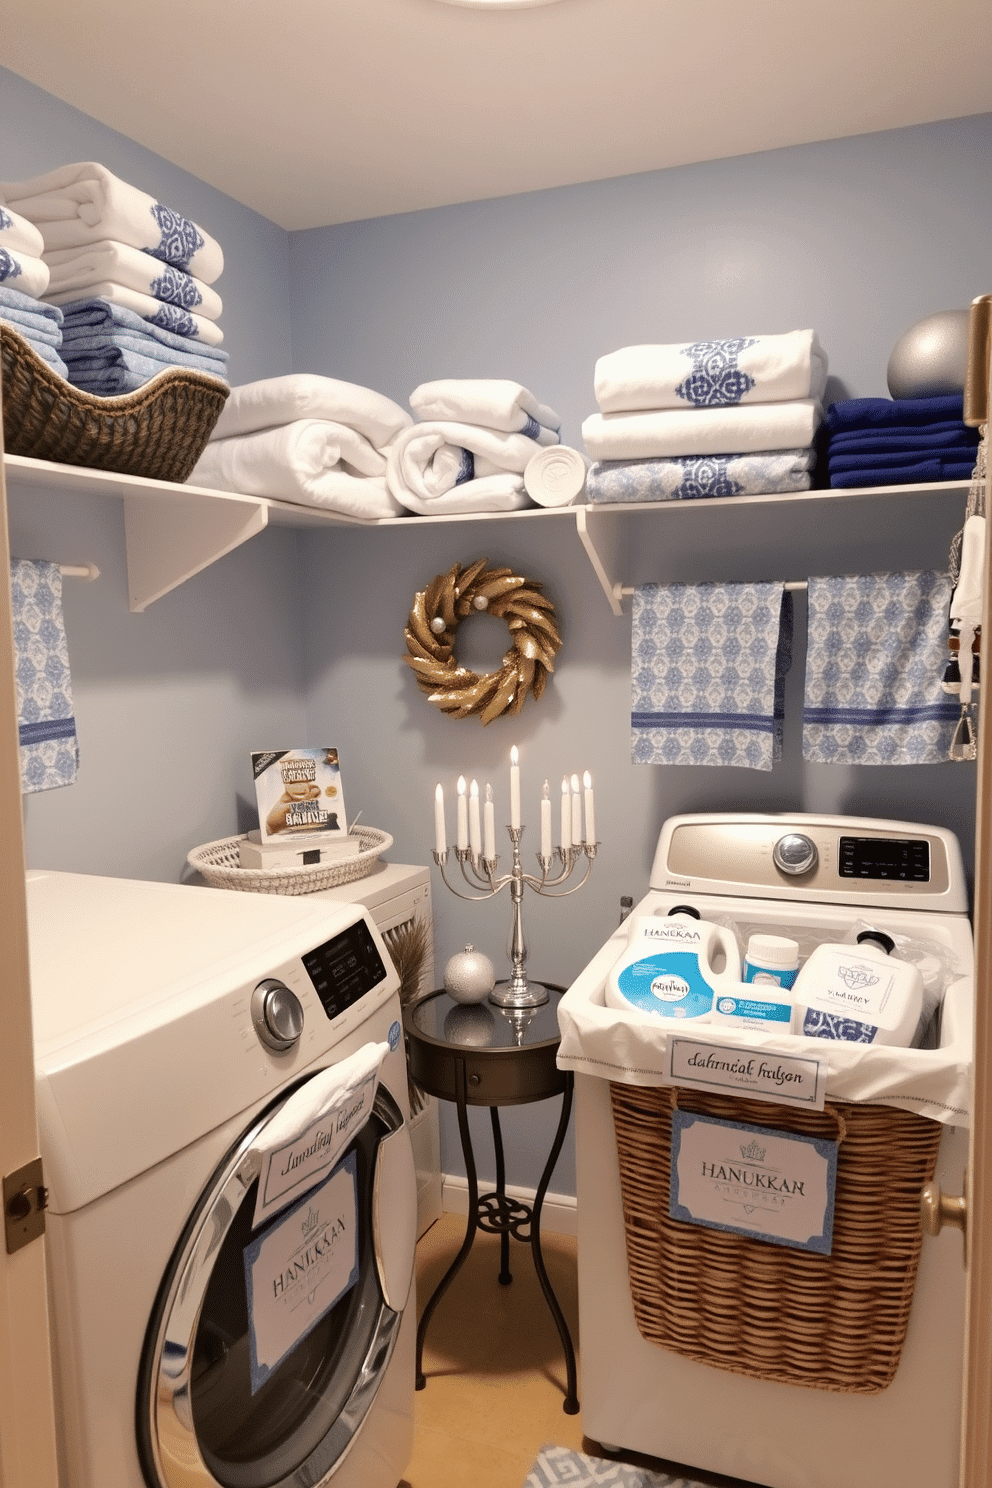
(345, 968)
(885, 857)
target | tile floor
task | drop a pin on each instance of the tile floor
(494, 1367)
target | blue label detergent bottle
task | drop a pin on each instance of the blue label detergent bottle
(673, 966)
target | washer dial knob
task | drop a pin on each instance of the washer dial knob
(794, 854)
(277, 1014)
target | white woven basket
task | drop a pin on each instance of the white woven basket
(220, 864)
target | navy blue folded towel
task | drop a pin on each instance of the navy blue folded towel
(876, 413)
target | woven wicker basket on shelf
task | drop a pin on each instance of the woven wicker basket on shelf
(830, 1322)
(220, 864)
(158, 432)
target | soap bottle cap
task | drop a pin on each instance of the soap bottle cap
(880, 938)
(684, 909)
(772, 950)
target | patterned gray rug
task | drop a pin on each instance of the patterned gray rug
(558, 1467)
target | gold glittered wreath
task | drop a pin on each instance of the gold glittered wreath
(433, 625)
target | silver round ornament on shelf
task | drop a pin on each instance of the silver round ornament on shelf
(931, 358)
(469, 976)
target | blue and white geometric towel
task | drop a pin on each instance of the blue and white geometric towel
(47, 728)
(559, 1467)
(708, 665)
(876, 654)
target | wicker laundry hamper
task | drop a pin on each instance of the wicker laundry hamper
(158, 432)
(830, 1322)
(220, 864)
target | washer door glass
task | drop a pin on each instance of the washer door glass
(204, 1416)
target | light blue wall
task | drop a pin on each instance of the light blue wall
(859, 238)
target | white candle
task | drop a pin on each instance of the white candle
(590, 810)
(440, 836)
(514, 788)
(462, 825)
(545, 822)
(566, 816)
(576, 812)
(474, 824)
(489, 825)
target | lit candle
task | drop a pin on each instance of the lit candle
(440, 836)
(545, 823)
(489, 825)
(576, 812)
(566, 816)
(462, 814)
(474, 824)
(590, 810)
(514, 788)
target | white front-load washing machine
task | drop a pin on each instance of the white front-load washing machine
(811, 878)
(173, 1025)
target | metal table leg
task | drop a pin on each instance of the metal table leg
(571, 1402)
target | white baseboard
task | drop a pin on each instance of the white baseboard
(558, 1213)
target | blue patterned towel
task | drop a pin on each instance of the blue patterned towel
(691, 477)
(47, 728)
(712, 374)
(30, 275)
(117, 263)
(155, 314)
(875, 658)
(708, 665)
(13, 299)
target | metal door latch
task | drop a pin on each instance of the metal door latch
(938, 1209)
(25, 1199)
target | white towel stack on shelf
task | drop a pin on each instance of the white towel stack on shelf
(23, 277)
(131, 276)
(706, 418)
(470, 448)
(307, 439)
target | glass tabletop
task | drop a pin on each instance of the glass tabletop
(485, 1025)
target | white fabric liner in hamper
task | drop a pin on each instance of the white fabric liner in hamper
(220, 864)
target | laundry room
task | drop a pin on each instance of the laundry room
(200, 630)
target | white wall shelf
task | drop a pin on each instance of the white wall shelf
(175, 531)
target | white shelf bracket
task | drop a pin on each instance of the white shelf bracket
(604, 539)
(173, 536)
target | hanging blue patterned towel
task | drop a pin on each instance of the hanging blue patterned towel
(47, 728)
(708, 665)
(875, 657)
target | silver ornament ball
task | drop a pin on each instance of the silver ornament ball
(469, 976)
(931, 358)
(471, 1025)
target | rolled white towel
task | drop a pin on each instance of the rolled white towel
(312, 462)
(438, 468)
(85, 203)
(701, 431)
(711, 374)
(117, 263)
(20, 235)
(492, 403)
(21, 271)
(556, 476)
(305, 395)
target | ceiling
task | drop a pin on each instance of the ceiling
(322, 111)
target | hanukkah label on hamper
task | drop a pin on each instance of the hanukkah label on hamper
(751, 1180)
(784, 1079)
(299, 794)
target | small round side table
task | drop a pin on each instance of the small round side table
(479, 1054)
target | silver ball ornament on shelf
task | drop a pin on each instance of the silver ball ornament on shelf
(469, 976)
(931, 358)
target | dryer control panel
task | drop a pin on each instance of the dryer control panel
(344, 968)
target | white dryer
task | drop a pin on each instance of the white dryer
(172, 1025)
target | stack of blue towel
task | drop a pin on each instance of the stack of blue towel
(23, 277)
(40, 325)
(109, 349)
(899, 442)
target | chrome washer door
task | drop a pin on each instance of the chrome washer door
(198, 1422)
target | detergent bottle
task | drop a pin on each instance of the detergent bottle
(673, 966)
(859, 993)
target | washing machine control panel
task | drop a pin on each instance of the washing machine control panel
(795, 853)
(345, 968)
(277, 1014)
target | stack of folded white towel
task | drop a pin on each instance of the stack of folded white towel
(131, 277)
(470, 448)
(23, 278)
(308, 439)
(706, 418)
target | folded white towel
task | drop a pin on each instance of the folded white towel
(305, 395)
(117, 263)
(701, 431)
(20, 235)
(492, 403)
(312, 461)
(712, 374)
(159, 312)
(436, 468)
(85, 203)
(21, 271)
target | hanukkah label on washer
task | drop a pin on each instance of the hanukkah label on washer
(785, 1079)
(298, 1268)
(752, 1180)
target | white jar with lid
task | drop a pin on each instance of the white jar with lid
(772, 960)
(859, 993)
